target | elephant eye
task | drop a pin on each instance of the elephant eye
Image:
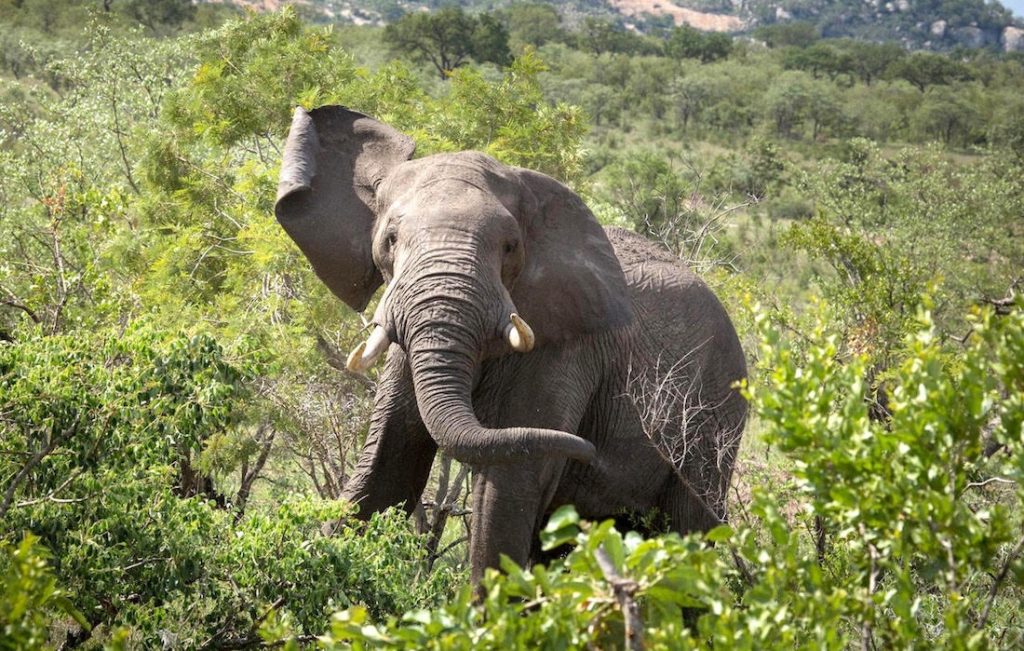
(391, 239)
(511, 246)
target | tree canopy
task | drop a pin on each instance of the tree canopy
(177, 422)
(449, 38)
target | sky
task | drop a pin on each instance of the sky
(1016, 6)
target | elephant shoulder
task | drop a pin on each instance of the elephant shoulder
(649, 265)
(676, 309)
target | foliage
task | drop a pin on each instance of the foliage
(114, 431)
(28, 596)
(68, 176)
(794, 34)
(904, 503)
(175, 427)
(599, 36)
(63, 18)
(924, 69)
(915, 539)
(572, 605)
(155, 14)
(835, 88)
(532, 23)
(974, 23)
(877, 290)
(668, 201)
(890, 227)
(510, 121)
(689, 43)
(251, 74)
(448, 37)
(795, 98)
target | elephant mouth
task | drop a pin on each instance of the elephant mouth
(444, 349)
(518, 334)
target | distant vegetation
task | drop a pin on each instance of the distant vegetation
(176, 422)
(915, 24)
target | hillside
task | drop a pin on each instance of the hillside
(934, 24)
(916, 24)
(189, 459)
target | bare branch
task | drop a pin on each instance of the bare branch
(52, 495)
(690, 229)
(445, 505)
(1005, 305)
(119, 136)
(36, 459)
(990, 480)
(998, 582)
(13, 301)
(336, 360)
(675, 414)
(265, 435)
(624, 591)
(867, 636)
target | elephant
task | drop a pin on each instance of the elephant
(565, 362)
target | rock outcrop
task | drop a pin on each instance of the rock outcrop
(680, 15)
(1013, 39)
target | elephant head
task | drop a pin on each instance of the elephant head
(480, 260)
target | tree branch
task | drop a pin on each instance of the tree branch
(336, 360)
(624, 590)
(997, 583)
(36, 459)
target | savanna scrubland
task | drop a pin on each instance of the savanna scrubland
(176, 421)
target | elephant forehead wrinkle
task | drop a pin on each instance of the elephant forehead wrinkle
(471, 161)
(477, 184)
(464, 241)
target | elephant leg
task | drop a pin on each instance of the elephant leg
(509, 503)
(395, 462)
(688, 511)
(550, 388)
(696, 497)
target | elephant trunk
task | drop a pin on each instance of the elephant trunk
(444, 332)
(443, 396)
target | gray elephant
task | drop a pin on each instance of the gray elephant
(565, 362)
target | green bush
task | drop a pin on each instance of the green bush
(29, 596)
(104, 436)
(903, 532)
(163, 345)
(789, 206)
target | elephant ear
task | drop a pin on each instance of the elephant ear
(334, 159)
(572, 283)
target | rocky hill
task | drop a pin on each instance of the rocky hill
(916, 24)
(929, 24)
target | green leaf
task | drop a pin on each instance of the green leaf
(561, 528)
(721, 533)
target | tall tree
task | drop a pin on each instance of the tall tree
(448, 38)
(689, 43)
(533, 23)
(795, 34)
(924, 69)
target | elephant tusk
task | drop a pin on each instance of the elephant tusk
(366, 353)
(355, 358)
(520, 334)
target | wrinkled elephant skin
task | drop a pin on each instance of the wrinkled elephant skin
(566, 363)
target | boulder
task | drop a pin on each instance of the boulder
(1013, 39)
(973, 37)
